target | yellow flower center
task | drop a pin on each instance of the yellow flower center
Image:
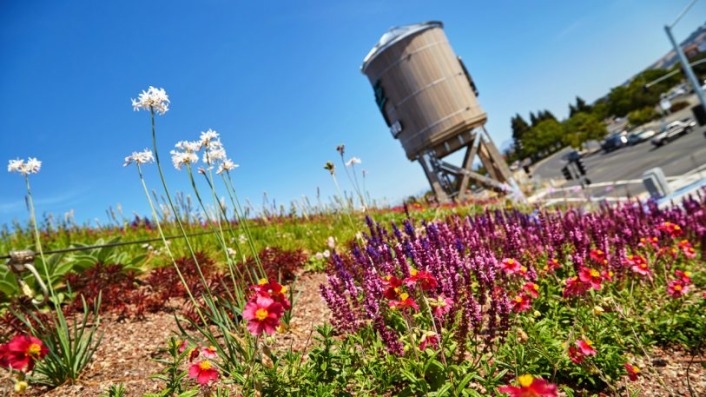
(525, 380)
(518, 299)
(262, 281)
(413, 272)
(261, 314)
(677, 287)
(588, 342)
(404, 296)
(510, 261)
(34, 349)
(687, 274)
(595, 273)
(205, 365)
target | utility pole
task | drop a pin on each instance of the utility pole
(685, 62)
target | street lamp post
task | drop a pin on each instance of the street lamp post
(682, 58)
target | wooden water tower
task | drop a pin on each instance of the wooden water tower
(429, 102)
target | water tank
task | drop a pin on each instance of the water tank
(423, 90)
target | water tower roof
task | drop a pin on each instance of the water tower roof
(394, 35)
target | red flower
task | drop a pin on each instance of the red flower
(425, 279)
(580, 350)
(392, 286)
(586, 347)
(429, 339)
(510, 266)
(677, 288)
(530, 387)
(683, 276)
(633, 371)
(531, 289)
(209, 352)
(598, 256)
(592, 277)
(521, 303)
(574, 287)
(638, 265)
(203, 372)
(404, 302)
(274, 290)
(575, 355)
(263, 315)
(670, 228)
(22, 352)
(651, 241)
(552, 265)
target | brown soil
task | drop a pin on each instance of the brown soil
(126, 354)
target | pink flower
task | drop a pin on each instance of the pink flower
(638, 265)
(687, 249)
(263, 315)
(530, 387)
(209, 352)
(592, 277)
(586, 347)
(683, 276)
(274, 290)
(581, 349)
(510, 266)
(441, 305)
(203, 372)
(677, 288)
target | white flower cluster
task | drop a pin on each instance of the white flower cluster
(153, 99)
(142, 157)
(214, 154)
(31, 166)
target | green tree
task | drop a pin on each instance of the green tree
(582, 127)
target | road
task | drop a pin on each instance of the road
(609, 172)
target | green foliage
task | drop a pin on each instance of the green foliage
(642, 116)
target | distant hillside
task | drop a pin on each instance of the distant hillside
(698, 37)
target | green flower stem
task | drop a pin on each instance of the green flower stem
(166, 245)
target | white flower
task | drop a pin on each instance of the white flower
(180, 159)
(215, 154)
(186, 153)
(15, 165)
(32, 166)
(188, 146)
(153, 99)
(352, 161)
(142, 157)
(208, 136)
(226, 165)
(331, 242)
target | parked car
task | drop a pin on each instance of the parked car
(639, 136)
(613, 142)
(672, 131)
(690, 122)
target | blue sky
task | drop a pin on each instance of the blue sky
(281, 82)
